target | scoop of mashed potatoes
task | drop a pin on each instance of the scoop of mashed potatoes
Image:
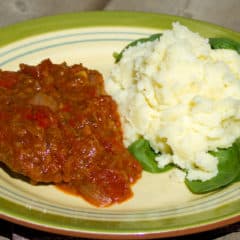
(180, 95)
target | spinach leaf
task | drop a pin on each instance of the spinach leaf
(224, 43)
(237, 179)
(215, 43)
(228, 171)
(152, 37)
(143, 152)
(229, 159)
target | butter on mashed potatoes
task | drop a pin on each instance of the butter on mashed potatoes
(180, 95)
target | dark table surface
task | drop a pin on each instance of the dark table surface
(16, 232)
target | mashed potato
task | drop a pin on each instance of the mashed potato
(180, 95)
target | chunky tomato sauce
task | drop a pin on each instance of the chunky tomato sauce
(57, 125)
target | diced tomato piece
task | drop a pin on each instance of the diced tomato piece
(41, 116)
(8, 79)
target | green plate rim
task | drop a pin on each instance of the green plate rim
(37, 26)
(229, 213)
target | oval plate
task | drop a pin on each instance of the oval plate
(161, 206)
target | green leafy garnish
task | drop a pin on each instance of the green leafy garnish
(228, 165)
(215, 43)
(228, 171)
(152, 37)
(228, 159)
(224, 43)
(237, 179)
(143, 152)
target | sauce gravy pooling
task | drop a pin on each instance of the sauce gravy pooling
(57, 125)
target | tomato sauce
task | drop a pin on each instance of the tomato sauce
(57, 125)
